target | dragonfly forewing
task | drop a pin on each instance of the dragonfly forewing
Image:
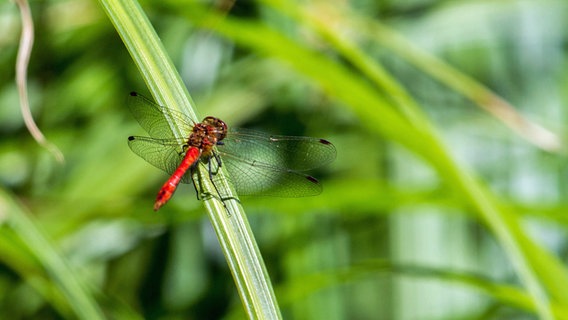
(285, 152)
(156, 120)
(251, 177)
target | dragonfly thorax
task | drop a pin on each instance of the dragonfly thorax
(207, 134)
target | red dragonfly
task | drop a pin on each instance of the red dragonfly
(257, 163)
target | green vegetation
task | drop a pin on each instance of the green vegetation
(446, 200)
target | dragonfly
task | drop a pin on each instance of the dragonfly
(257, 163)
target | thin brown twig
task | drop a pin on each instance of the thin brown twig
(24, 52)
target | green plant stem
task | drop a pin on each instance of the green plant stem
(230, 223)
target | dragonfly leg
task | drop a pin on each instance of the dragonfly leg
(195, 176)
(198, 183)
(212, 172)
(218, 159)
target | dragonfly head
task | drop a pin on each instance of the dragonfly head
(220, 127)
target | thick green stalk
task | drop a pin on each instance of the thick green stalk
(229, 222)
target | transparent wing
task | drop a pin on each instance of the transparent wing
(261, 164)
(251, 177)
(152, 117)
(164, 154)
(283, 152)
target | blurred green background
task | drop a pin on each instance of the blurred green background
(388, 238)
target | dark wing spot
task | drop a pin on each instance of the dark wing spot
(131, 138)
(323, 141)
(134, 94)
(312, 179)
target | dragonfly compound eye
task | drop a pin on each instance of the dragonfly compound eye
(219, 125)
